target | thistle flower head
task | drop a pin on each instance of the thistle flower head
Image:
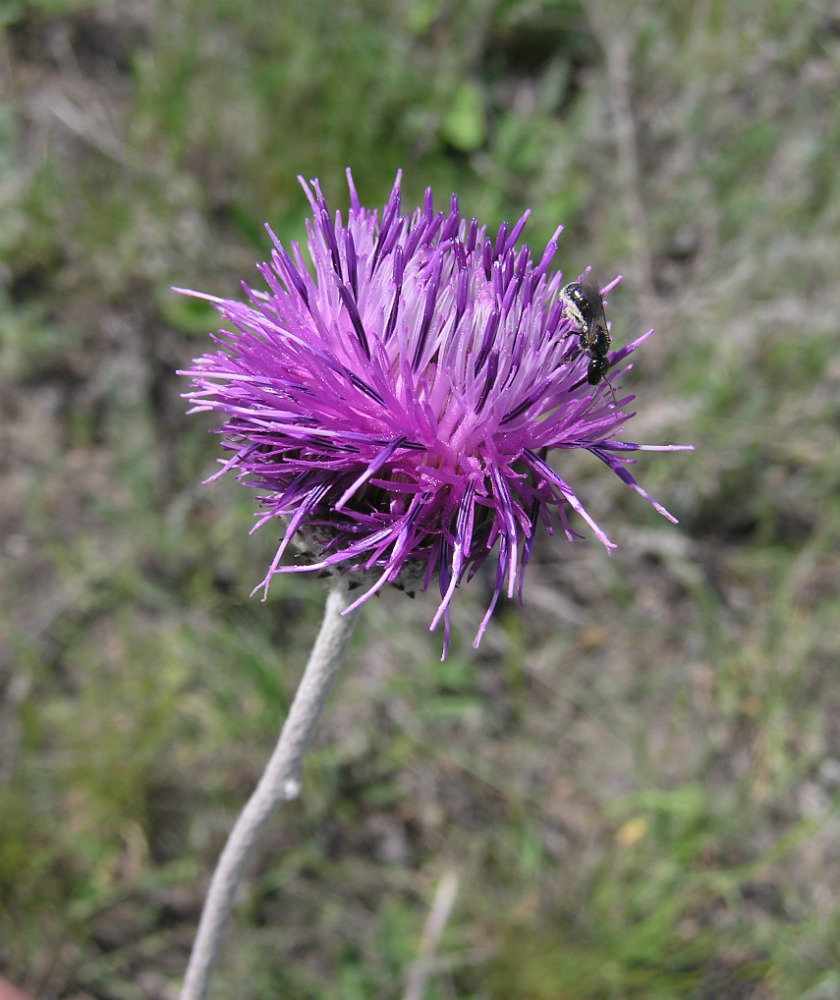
(394, 402)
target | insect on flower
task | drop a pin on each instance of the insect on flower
(395, 402)
(585, 308)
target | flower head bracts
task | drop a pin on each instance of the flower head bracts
(395, 407)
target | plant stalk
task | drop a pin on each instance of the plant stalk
(281, 782)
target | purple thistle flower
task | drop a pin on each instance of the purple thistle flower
(396, 408)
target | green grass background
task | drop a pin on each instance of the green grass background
(637, 777)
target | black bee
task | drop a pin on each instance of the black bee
(584, 306)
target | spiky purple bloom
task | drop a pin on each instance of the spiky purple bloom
(396, 407)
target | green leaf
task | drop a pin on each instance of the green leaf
(463, 124)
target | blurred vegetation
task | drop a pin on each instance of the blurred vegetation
(637, 777)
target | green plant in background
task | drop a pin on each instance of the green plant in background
(519, 772)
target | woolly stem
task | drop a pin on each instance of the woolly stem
(280, 782)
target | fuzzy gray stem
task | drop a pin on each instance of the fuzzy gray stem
(280, 782)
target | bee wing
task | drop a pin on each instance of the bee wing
(592, 292)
